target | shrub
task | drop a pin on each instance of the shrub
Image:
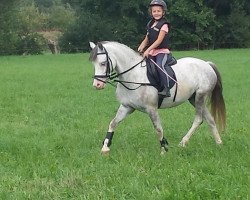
(32, 43)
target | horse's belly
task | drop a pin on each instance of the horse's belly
(182, 95)
(138, 99)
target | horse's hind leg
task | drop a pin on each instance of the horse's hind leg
(210, 120)
(199, 108)
(121, 114)
(155, 118)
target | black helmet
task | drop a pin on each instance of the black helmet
(159, 3)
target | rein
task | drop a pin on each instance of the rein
(111, 76)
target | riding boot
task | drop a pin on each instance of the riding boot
(165, 92)
(168, 92)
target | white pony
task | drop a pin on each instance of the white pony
(197, 81)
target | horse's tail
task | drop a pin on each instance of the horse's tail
(218, 108)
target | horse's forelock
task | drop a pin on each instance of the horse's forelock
(93, 54)
(100, 46)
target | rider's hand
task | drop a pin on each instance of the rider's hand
(140, 49)
(146, 53)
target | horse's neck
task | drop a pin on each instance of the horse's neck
(126, 58)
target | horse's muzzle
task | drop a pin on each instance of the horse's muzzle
(99, 84)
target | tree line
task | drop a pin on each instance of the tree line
(194, 24)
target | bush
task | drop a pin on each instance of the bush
(87, 28)
(32, 43)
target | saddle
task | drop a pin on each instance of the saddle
(154, 77)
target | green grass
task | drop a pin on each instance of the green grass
(52, 123)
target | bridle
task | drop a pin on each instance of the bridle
(109, 67)
(110, 75)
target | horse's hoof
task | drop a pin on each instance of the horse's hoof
(164, 150)
(105, 151)
(219, 142)
(182, 144)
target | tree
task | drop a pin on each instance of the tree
(60, 16)
(193, 24)
(233, 19)
(121, 20)
(8, 26)
(221, 7)
(87, 28)
(30, 19)
(22, 20)
(235, 28)
(43, 5)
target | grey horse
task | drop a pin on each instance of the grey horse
(197, 81)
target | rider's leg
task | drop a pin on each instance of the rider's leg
(161, 60)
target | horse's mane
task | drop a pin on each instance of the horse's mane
(93, 53)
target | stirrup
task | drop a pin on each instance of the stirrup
(164, 93)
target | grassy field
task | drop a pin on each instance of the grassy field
(52, 123)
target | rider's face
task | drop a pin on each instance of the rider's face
(157, 12)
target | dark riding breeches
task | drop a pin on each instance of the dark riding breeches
(161, 60)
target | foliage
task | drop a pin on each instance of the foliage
(60, 17)
(17, 23)
(30, 20)
(86, 29)
(195, 24)
(8, 36)
(32, 43)
(102, 20)
(235, 29)
(22, 20)
(44, 5)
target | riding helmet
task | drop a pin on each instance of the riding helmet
(158, 3)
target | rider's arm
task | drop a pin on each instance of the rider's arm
(143, 44)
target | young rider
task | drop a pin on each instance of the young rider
(156, 41)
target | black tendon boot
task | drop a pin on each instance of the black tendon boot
(165, 93)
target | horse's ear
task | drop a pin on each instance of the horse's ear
(92, 45)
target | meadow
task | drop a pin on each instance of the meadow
(52, 123)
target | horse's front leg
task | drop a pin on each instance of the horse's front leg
(121, 114)
(155, 118)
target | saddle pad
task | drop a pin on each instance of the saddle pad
(154, 77)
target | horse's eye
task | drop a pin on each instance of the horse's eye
(103, 64)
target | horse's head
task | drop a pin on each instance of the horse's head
(102, 63)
